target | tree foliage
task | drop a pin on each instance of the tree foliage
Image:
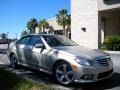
(43, 24)
(68, 20)
(63, 19)
(3, 36)
(32, 24)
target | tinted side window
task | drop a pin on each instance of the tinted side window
(52, 41)
(35, 40)
(24, 40)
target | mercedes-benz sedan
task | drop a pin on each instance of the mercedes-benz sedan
(62, 57)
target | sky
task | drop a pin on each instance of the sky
(14, 14)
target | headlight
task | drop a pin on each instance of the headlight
(82, 61)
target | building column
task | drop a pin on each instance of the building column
(84, 22)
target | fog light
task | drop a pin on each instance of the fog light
(87, 77)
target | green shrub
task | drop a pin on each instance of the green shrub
(111, 43)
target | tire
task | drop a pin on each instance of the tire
(64, 73)
(13, 61)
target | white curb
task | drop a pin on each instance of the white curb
(113, 52)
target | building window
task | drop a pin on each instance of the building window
(59, 32)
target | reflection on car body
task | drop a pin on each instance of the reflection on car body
(62, 57)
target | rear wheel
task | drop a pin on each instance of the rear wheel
(13, 61)
(64, 73)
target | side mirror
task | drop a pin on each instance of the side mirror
(39, 46)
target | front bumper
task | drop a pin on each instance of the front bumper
(86, 74)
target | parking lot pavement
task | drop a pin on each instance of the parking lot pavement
(3, 56)
(112, 83)
(116, 61)
(3, 46)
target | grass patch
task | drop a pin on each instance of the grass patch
(10, 81)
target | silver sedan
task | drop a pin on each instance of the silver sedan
(62, 57)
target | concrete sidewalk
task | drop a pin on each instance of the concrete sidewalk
(113, 52)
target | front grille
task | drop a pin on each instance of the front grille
(104, 62)
(104, 74)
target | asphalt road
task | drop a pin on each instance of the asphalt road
(112, 83)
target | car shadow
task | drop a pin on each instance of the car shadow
(38, 75)
(112, 82)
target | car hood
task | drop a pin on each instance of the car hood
(82, 51)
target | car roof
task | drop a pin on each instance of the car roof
(40, 35)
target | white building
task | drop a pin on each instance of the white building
(93, 20)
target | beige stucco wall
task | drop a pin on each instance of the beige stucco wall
(54, 25)
(108, 4)
(84, 14)
(52, 22)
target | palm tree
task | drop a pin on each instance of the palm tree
(32, 24)
(68, 21)
(63, 19)
(43, 24)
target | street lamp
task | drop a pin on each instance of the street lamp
(16, 35)
(8, 39)
(7, 34)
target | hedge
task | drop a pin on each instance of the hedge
(111, 43)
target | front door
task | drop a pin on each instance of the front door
(34, 54)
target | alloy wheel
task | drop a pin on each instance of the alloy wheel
(64, 73)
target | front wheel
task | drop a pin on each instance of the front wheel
(13, 61)
(64, 73)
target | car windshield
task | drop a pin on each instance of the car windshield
(57, 40)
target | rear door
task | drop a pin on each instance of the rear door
(21, 49)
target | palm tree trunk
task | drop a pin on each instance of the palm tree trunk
(64, 31)
(32, 31)
(43, 29)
